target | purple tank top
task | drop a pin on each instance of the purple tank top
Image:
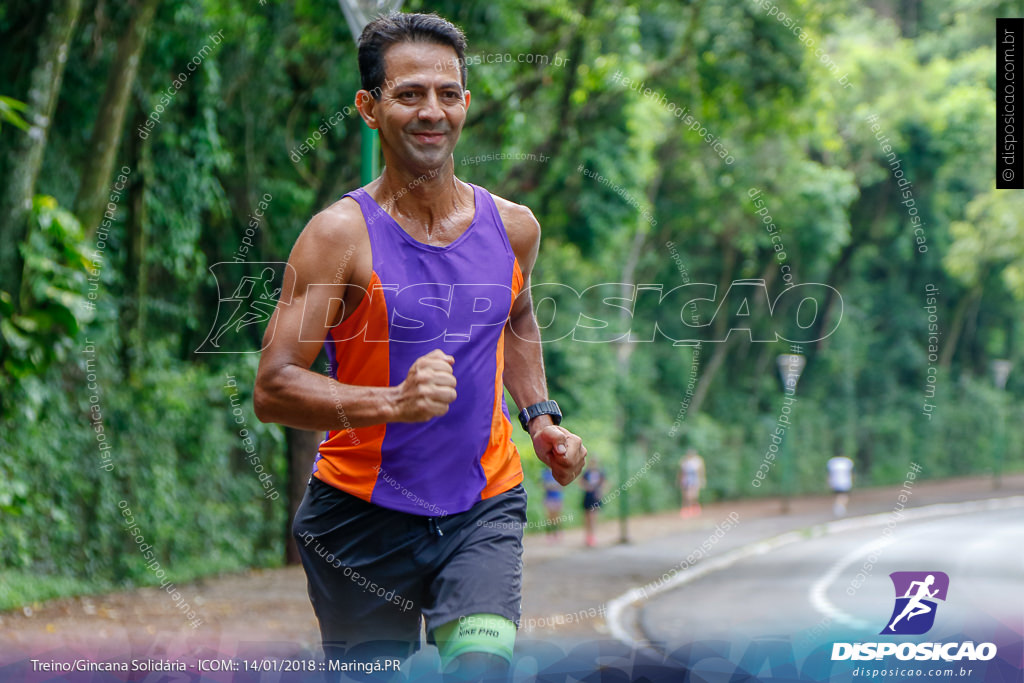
(455, 298)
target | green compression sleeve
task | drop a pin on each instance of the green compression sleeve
(488, 633)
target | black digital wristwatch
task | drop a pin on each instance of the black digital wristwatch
(538, 409)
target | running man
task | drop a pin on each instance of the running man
(417, 287)
(915, 606)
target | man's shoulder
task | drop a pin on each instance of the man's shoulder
(341, 220)
(521, 226)
(332, 236)
(515, 216)
(339, 227)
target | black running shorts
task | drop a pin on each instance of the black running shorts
(372, 572)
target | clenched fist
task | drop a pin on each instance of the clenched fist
(428, 389)
(562, 451)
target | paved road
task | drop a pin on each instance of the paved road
(837, 587)
(801, 585)
(267, 613)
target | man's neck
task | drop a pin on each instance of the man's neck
(418, 193)
(428, 198)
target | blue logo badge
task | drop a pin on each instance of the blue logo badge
(916, 596)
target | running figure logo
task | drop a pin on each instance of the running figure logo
(916, 595)
(244, 300)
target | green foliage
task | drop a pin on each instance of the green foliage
(991, 238)
(10, 112)
(23, 588)
(39, 329)
(671, 210)
(166, 448)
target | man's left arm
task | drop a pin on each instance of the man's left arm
(556, 447)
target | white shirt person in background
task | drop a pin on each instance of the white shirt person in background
(691, 481)
(840, 478)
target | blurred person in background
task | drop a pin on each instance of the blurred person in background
(840, 479)
(691, 481)
(592, 482)
(553, 500)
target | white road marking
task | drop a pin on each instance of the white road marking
(617, 606)
(818, 595)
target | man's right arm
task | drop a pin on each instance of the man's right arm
(286, 390)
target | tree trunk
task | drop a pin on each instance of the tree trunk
(301, 446)
(707, 376)
(27, 153)
(136, 271)
(839, 273)
(956, 326)
(623, 351)
(553, 145)
(106, 131)
(708, 372)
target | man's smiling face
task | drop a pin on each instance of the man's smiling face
(423, 105)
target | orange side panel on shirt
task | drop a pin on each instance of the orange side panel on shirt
(500, 461)
(351, 457)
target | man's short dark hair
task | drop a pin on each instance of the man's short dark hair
(391, 29)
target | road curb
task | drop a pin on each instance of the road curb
(617, 607)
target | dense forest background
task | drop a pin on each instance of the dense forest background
(124, 183)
